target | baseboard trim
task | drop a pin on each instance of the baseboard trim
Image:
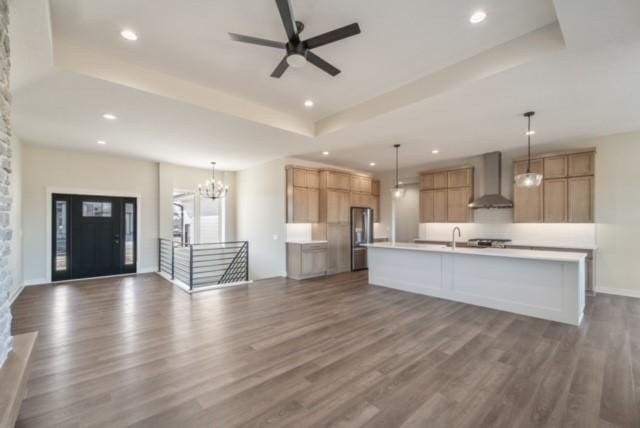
(44, 281)
(38, 281)
(619, 292)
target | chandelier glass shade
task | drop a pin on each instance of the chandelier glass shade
(213, 189)
(528, 179)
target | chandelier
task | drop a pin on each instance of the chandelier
(213, 189)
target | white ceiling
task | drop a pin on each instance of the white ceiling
(400, 41)
(588, 89)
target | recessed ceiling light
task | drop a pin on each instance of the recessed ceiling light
(477, 17)
(101, 142)
(308, 103)
(532, 132)
(325, 153)
(372, 164)
(129, 35)
(109, 116)
(435, 152)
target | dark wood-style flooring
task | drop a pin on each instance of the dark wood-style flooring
(136, 351)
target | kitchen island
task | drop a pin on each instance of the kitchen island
(543, 284)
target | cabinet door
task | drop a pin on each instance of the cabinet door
(555, 200)
(458, 200)
(355, 183)
(313, 179)
(313, 205)
(440, 206)
(300, 205)
(427, 206)
(427, 182)
(460, 178)
(581, 164)
(333, 206)
(299, 177)
(339, 248)
(320, 261)
(365, 184)
(555, 167)
(375, 204)
(527, 202)
(581, 200)
(338, 180)
(440, 180)
(344, 212)
(375, 187)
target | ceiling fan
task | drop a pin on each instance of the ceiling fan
(299, 51)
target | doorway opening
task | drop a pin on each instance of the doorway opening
(92, 236)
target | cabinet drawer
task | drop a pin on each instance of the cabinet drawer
(310, 248)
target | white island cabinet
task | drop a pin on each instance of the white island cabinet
(542, 284)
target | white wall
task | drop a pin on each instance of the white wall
(87, 172)
(172, 177)
(261, 217)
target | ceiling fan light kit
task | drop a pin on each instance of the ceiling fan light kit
(298, 52)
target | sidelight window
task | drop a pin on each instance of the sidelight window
(61, 236)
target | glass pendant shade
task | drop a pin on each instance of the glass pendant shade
(529, 179)
(397, 192)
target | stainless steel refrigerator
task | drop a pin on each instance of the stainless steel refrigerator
(361, 233)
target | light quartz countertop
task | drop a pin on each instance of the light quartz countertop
(564, 246)
(305, 241)
(557, 256)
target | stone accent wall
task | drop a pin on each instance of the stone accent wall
(5, 176)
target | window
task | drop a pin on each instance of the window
(210, 223)
(61, 234)
(96, 209)
(129, 233)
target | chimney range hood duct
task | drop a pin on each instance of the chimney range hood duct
(492, 184)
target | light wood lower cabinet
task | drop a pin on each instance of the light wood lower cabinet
(458, 200)
(306, 260)
(339, 248)
(555, 200)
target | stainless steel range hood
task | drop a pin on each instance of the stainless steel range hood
(492, 197)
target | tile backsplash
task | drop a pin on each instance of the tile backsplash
(497, 224)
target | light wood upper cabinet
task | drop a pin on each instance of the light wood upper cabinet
(299, 177)
(433, 206)
(460, 178)
(555, 200)
(313, 179)
(299, 205)
(555, 167)
(313, 205)
(581, 164)
(338, 206)
(360, 200)
(435, 180)
(338, 180)
(527, 202)
(581, 197)
(458, 200)
(375, 187)
(361, 184)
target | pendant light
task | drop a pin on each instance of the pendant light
(396, 190)
(214, 189)
(529, 179)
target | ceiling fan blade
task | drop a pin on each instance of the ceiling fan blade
(333, 36)
(289, 21)
(281, 68)
(322, 64)
(257, 41)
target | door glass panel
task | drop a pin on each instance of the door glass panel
(129, 231)
(209, 220)
(184, 209)
(61, 235)
(96, 209)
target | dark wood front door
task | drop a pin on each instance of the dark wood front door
(93, 236)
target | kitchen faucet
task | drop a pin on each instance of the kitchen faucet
(453, 238)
